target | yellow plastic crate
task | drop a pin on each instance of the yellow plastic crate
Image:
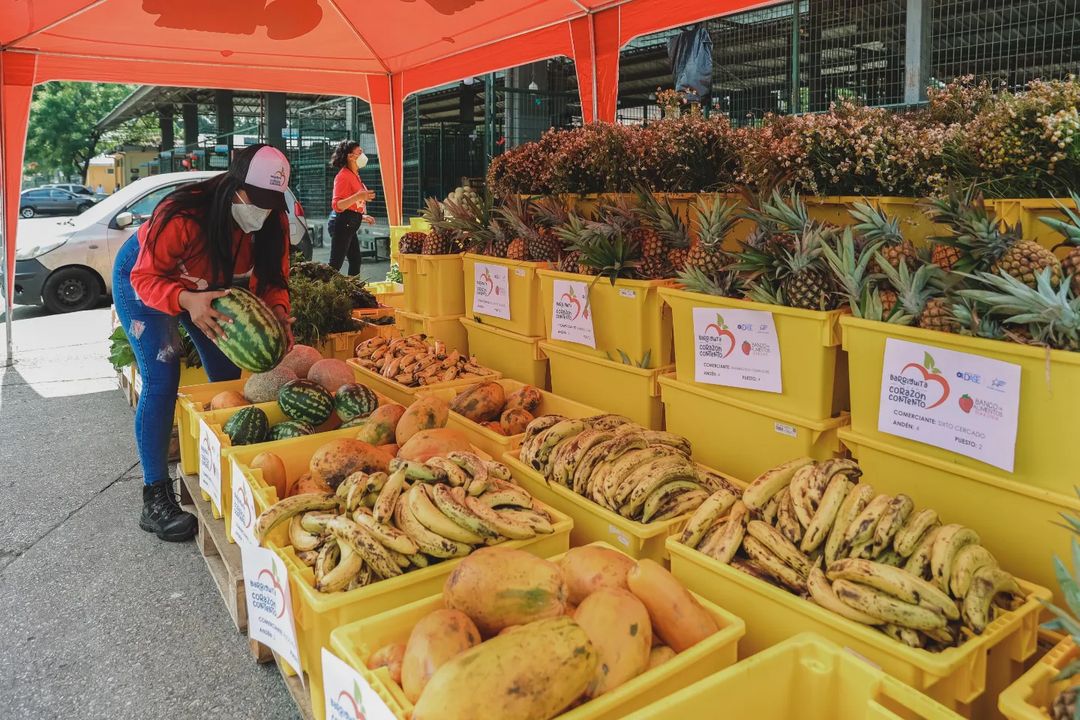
(526, 316)
(492, 442)
(610, 386)
(1027, 214)
(1030, 697)
(804, 677)
(419, 224)
(813, 370)
(594, 523)
(355, 643)
(915, 224)
(372, 313)
(191, 402)
(433, 285)
(741, 438)
(966, 679)
(448, 329)
(405, 395)
(340, 346)
(627, 316)
(1017, 522)
(515, 356)
(1048, 414)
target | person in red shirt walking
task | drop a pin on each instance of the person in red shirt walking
(349, 202)
(200, 238)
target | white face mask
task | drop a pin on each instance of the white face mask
(249, 217)
(361, 161)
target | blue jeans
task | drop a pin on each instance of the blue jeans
(155, 339)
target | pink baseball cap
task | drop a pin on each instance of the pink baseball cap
(269, 170)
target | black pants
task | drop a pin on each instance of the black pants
(345, 244)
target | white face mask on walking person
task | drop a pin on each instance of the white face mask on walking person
(359, 158)
(249, 217)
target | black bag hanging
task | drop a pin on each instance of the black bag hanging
(690, 53)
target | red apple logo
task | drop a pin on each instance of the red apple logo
(349, 701)
(571, 299)
(930, 374)
(721, 329)
(277, 587)
(486, 277)
(746, 347)
(240, 502)
(966, 403)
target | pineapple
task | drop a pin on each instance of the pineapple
(1064, 704)
(441, 239)
(610, 252)
(985, 244)
(411, 243)
(876, 227)
(937, 315)
(804, 278)
(538, 248)
(944, 256)
(1070, 264)
(570, 262)
(714, 220)
(574, 233)
(1051, 316)
(850, 262)
(670, 229)
(547, 214)
(888, 299)
(776, 216)
(912, 296)
(471, 218)
(516, 250)
(725, 283)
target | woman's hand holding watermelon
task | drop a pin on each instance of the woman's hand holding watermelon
(286, 323)
(205, 317)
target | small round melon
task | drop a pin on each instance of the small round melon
(227, 399)
(331, 374)
(300, 359)
(264, 387)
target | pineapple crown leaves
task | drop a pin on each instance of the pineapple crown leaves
(725, 283)
(874, 225)
(973, 321)
(609, 251)
(778, 215)
(913, 289)
(515, 213)
(981, 237)
(575, 231)
(1069, 228)
(626, 360)
(1052, 315)
(661, 216)
(549, 211)
(849, 265)
(714, 219)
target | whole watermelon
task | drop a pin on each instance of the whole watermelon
(247, 426)
(290, 429)
(306, 401)
(355, 401)
(254, 340)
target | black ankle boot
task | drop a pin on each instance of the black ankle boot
(161, 514)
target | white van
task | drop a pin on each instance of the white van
(66, 265)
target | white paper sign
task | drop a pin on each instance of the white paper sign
(137, 382)
(210, 463)
(571, 316)
(737, 348)
(492, 294)
(960, 402)
(243, 508)
(347, 695)
(269, 605)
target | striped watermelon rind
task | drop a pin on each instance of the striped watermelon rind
(254, 340)
(355, 401)
(306, 401)
(247, 426)
(290, 429)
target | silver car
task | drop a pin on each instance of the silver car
(52, 201)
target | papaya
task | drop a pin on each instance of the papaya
(309, 484)
(390, 449)
(660, 655)
(533, 673)
(378, 429)
(526, 398)
(390, 657)
(426, 413)
(494, 427)
(436, 639)
(498, 587)
(514, 422)
(291, 488)
(677, 617)
(228, 399)
(618, 625)
(591, 567)
(337, 459)
(273, 472)
(427, 444)
(480, 403)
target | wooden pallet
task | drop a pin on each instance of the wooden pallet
(222, 559)
(300, 694)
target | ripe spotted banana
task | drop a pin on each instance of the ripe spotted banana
(455, 475)
(538, 425)
(419, 500)
(608, 421)
(343, 573)
(967, 561)
(679, 504)
(896, 514)
(770, 482)
(655, 474)
(284, 509)
(388, 535)
(909, 536)
(505, 525)
(713, 481)
(896, 582)
(786, 520)
(817, 531)
(804, 488)
(862, 529)
(453, 506)
(429, 543)
(620, 484)
(773, 565)
(546, 442)
(768, 513)
(723, 544)
(478, 472)
(342, 490)
(822, 593)
(988, 582)
(905, 635)
(498, 471)
(780, 546)
(541, 524)
(855, 502)
(918, 564)
(660, 437)
(505, 494)
(588, 468)
(567, 455)
(716, 506)
(388, 497)
(886, 607)
(363, 543)
(665, 495)
(618, 468)
(418, 471)
(301, 539)
(950, 538)
(327, 559)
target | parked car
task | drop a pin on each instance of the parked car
(52, 201)
(67, 265)
(73, 188)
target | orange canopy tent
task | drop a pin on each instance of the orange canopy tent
(378, 50)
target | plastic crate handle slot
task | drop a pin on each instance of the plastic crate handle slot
(896, 701)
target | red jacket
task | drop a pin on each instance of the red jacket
(347, 183)
(179, 263)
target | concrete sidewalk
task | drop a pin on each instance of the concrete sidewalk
(100, 619)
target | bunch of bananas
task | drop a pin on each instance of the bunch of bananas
(815, 530)
(381, 525)
(413, 362)
(644, 475)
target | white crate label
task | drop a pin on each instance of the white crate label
(492, 290)
(137, 383)
(210, 463)
(965, 403)
(627, 293)
(347, 695)
(269, 604)
(785, 429)
(619, 535)
(571, 316)
(243, 507)
(520, 272)
(737, 348)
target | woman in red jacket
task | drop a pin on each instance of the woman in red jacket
(349, 202)
(200, 238)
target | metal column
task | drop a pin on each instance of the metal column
(796, 89)
(168, 135)
(274, 119)
(917, 50)
(226, 126)
(191, 126)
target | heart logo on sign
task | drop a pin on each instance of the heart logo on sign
(571, 299)
(931, 374)
(721, 330)
(279, 602)
(240, 502)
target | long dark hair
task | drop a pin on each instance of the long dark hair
(209, 204)
(340, 158)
